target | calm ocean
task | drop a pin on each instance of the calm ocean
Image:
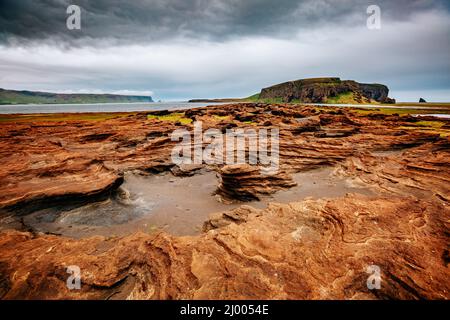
(98, 107)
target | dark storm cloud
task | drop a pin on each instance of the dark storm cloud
(181, 49)
(213, 20)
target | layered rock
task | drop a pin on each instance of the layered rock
(43, 161)
(306, 249)
(423, 171)
(244, 182)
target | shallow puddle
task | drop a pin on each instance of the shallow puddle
(178, 205)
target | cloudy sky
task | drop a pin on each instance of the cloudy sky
(182, 49)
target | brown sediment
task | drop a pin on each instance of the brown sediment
(313, 248)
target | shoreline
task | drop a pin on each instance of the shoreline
(436, 108)
(98, 108)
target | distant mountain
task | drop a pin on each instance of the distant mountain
(25, 97)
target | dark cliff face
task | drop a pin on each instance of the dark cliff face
(319, 90)
(377, 92)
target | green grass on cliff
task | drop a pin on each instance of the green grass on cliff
(254, 97)
(275, 100)
(344, 98)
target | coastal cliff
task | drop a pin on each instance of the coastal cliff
(327, 90)
(25, 97)
(317, 90)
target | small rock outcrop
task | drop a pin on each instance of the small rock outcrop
(422, 100)
(244, 182)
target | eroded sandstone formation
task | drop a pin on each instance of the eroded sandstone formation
(245, 182)
(314, 249)
(308, 249)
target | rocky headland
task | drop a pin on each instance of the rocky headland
(327, 90)
(318, 90)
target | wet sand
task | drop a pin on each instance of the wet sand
(178, 205)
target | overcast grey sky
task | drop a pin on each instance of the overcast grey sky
(181, 49)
